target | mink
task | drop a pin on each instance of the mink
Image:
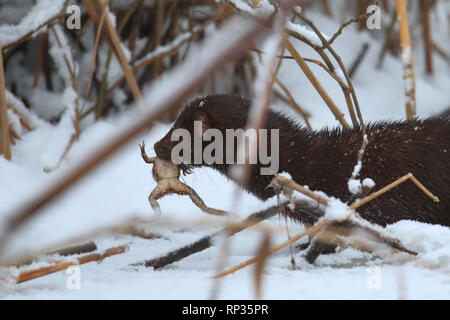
(325, 159)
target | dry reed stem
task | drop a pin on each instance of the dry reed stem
(392, 185)
(407, 58)
(40, 61)
(345, 89)
(148, 61)
(74, 137)
(328, 46)
(123, 60)
(425, 13)
(287, 183)
(324, 223)
(95, 10)
(315, 82)
(96, 46)
(23, 121)
(5, 142)
(62, 265)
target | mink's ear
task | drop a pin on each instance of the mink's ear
(201, 116)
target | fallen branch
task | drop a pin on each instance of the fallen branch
(208, 241)
(62, 265)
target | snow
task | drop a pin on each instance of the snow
(368, 183)
(354, 186)
(306, 33)
(118, 191)
(43, 11)
(336, 209)
(61, 53)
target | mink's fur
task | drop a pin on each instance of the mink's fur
(324, 160)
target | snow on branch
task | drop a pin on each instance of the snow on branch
(40, 15)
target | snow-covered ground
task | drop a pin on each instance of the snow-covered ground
(119, 189)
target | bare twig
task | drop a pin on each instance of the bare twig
(5, 142)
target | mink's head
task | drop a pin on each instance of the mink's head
(212, 112)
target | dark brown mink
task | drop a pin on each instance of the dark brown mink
(324, 159)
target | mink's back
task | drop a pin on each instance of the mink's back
(324, 160)
(394, 149)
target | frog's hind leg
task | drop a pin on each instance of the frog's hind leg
(183, 189)
(157, 193)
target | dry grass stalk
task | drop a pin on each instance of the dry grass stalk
(5, 139)
(40, 60)
(62, 265)
(408, 68)
(315, 82)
